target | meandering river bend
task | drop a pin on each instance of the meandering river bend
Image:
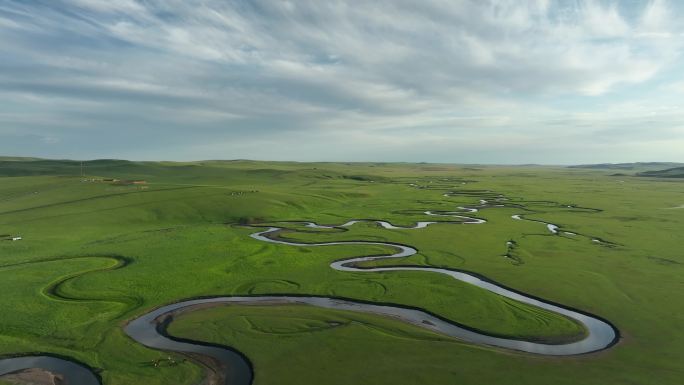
(234, 369)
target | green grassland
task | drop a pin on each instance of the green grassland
(95, 255)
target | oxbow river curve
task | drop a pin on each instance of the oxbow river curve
(233, 368)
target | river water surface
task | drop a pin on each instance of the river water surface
(149, 329)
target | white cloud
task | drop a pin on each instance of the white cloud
(602, 21)
(107, 6)
(434, 71)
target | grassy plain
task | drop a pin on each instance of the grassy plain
(94, 255)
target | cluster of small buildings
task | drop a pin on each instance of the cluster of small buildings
(240, 193)
(10, 238)
(126, 182)
(115, 181)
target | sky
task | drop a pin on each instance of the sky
(479, 81)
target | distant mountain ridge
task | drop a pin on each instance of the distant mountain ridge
(17, 159)
(675, 172)
(17, 166)
(630, 166)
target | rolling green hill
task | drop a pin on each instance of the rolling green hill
(629, 167)
(676, 172)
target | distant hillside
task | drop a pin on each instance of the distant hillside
(30, 166)
(676, 172)
(629, 166)
(17, 158)
(636, 167)
(238, 171)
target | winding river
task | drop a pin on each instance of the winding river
(231, 367)
(73, 373)
(601, 334)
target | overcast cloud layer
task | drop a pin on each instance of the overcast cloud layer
(476, 81)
